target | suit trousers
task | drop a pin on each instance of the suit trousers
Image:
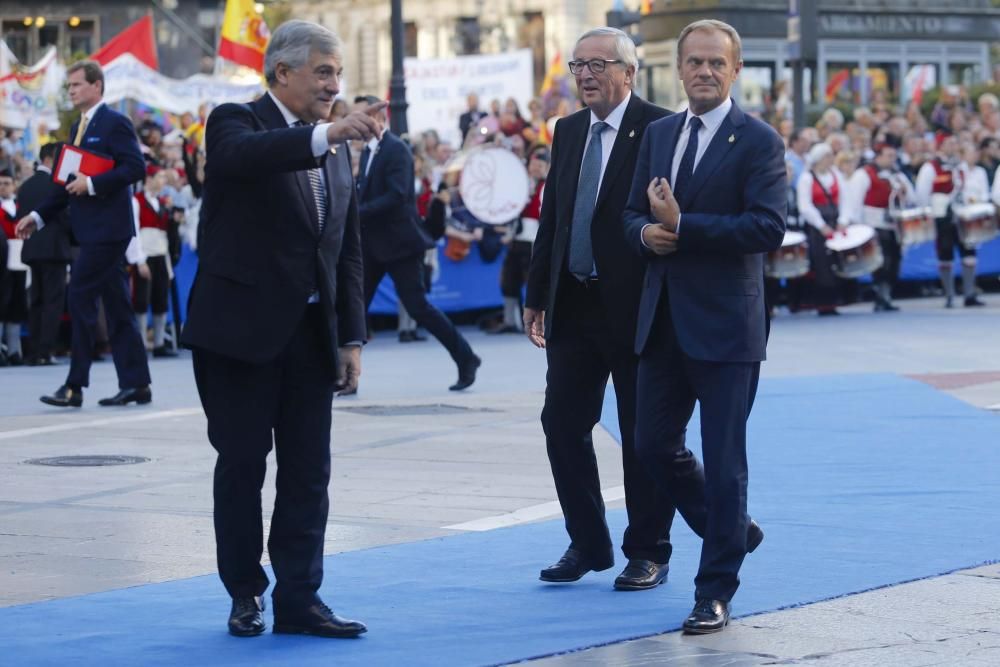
(580, 360)
(408, 277)
(250, 407)
(48, 299)
(99, 273)
(712, 499)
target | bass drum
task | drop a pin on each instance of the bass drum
(492, 185)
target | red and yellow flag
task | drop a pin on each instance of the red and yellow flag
(244, 35)
(645, 7)
(555, 70)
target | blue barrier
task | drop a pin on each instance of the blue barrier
(473, 284)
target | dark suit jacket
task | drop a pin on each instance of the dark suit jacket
(390, 230)
(732, 212)
(261, 252)
(51, 242)
(619, 271)
(467, 120)
(106, 216)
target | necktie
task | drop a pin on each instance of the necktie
(581, 254)
(366, 156)
(686, 168)
(318, 190)
(80, 129)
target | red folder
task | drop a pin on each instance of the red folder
(76, 160)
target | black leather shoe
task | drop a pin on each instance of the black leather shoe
(708, 616)
(163, 351)
(17, 360)
(316, 619)
(64, 397)
(571, 567)
(466, 373)
(42, 361)
(247, 616)
(641, 574)
(140, 396)
(755, 535)
(971, 301)
(411, 337)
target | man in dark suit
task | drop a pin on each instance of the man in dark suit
(47, 252)
(276, 322)
(582, 299)
(394, 243)
(708, 201)
(468, 120)
(100, 215)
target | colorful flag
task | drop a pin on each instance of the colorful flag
(645, 7)
(136, 39)
(555, 71)
(244, 35)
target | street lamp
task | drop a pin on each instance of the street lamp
(397, 85)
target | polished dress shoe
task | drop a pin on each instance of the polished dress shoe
(571, 567)
(316, 619)
(140, 396)
(411, 337)
(970, 302)
(466, 373)
(708, 616)
(17, 360)
(641, 574)
(163, 352)
(754, 536)
(64, 397)
(246, 619)
(42, 361)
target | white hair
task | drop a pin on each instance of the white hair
(624, 46)
(817, 153)
(292, 43)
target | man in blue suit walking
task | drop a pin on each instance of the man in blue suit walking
(100, 214)
(708, 200)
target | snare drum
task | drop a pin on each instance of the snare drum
(915, 225)
(791, 260)
(977, 223)
(856, 251)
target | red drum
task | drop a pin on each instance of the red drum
(915, 225)
(791, 260)
(856, 251)
(977, 223)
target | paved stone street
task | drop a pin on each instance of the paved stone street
(413, 461)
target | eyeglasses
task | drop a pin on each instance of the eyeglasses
(597, 65)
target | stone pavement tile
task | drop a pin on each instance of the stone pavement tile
(488, 504)
(652, 653)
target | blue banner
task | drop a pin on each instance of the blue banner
(473, 284)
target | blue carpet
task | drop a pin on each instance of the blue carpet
(859, 482)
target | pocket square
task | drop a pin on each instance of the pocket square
(91, 140)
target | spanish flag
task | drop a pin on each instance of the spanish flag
(645, 7)
(244, 35)
(555, 70)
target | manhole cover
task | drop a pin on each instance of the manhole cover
(90, 461)
(411, 410)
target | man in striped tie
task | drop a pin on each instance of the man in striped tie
(276, 322)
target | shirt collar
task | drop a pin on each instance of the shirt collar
(616, 116)
(43, 168)
(713, 119)
(374, 142)
(290, 118)
(89, 116)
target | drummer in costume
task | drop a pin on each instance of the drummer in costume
(154, 221)
(871, 192)
(939, 185)
(818, 193)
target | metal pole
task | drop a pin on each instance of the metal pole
(799, 106)
(397, 85)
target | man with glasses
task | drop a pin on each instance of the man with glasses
(581, 305)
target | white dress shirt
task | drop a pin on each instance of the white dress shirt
(319, 143)
(608, 136)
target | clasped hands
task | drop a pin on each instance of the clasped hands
(661, 235)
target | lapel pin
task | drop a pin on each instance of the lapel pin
(333, 150)
(631, 134)
(732, 138)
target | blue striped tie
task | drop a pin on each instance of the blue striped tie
(581, 253)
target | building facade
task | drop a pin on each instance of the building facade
(862, 46)
(186, 31)
(446, 28)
